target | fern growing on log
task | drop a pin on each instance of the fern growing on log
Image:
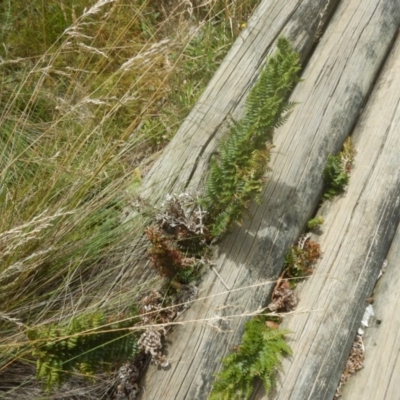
(236, 176)
(315, 223)
(300, 259)
(335, 177)
(258, 356)
(337, 170)
(88, 344)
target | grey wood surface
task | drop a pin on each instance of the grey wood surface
(358, 230)
(379, 379)
(337, 82)
(184, 162)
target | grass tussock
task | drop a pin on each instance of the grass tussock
(89, 92)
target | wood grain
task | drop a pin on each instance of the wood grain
(379, 380)
(358, 230)
(337, 82)
(184, 162)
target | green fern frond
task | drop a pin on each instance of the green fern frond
(291, 258)
(337, 170)
(335, 177)
(88, 344)
(315, 222)
(237, 175)
(258, 356)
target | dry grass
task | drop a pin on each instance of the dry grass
(89, 91)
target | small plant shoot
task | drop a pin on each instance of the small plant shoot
(315, 223)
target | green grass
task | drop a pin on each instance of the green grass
(89, 90)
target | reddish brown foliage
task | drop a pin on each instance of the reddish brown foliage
(164, 255)
(301, 258)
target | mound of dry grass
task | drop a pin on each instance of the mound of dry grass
(90, 91)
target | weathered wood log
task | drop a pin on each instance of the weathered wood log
(337, 81)
(358, 231)
(184, 162)
(379, 379)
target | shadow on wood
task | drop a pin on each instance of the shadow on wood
(358, 230)
(337, 82)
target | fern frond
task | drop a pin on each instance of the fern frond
(237, 175)
(87, 344)
(335, 176)
(258, 356)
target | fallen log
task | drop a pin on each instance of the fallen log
(358, 231)
(337, 81)
(184, 164)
